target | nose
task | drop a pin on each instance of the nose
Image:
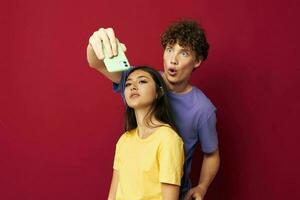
(133, 86)
(173, 59)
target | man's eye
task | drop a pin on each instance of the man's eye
(127, 84)
(168, 49)
(184, 53)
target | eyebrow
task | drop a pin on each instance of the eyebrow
(129, 79)
(181, 48)
(186, 49)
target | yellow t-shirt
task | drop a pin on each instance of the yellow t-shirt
(143, 164)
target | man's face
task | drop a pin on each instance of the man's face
(179, 63)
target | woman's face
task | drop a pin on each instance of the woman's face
(140, 90)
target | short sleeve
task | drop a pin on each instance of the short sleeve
(116, 164)
(117, 158)
(171, 159)
(120, 87)
(207, 134)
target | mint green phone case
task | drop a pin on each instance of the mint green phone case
(116, 63)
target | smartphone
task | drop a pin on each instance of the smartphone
(116, 63)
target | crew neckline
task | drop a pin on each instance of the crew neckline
(149, 136)
(184, 93)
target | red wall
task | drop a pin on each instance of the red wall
(59, 119)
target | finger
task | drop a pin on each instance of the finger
(102, 35)
(96, 44)
(123, 47)
(99, 46)
(197, 196)
(113, 41)
(187, 196)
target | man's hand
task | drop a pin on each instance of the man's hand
(210, 166)
(106, 37)
(196, 192)
(95, 55)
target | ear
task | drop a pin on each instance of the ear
(197, 63)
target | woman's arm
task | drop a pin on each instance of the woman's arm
(113, 186)
(170, 191)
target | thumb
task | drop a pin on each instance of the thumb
(123, 47)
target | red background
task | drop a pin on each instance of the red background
(59, 119)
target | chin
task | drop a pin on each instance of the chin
(133, 106)
(172, 79)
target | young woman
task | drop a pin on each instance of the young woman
(149, 156)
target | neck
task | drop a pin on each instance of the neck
(144, 130)
(181, 87)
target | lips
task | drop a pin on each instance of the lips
(172, 71)
(134, 95)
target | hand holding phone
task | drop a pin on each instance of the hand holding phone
(116, 63)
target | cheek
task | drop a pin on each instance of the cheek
(154, 95)
(188, 66)
(126, 94)
(150, 93)
(166, 58)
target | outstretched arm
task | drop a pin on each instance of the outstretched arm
(95, 53)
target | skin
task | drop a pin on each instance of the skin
(140, 90)
(140, 93)
(179, 62)
(113, 186)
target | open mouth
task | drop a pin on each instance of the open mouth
(172, 71)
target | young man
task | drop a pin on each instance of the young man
(185, 47)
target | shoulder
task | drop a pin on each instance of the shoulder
(195, 100)
(126, 136)
(202, 102)
(167, 134)
(199, 94)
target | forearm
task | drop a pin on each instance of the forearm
(169, 191)
(209, 169)
(92, 59)
(113, 186)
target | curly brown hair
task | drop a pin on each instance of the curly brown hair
(187, 33)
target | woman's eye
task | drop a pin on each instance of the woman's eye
(127, 84)
(142, 81)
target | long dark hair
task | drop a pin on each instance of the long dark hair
(160, 106)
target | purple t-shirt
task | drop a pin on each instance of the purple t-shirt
(195, 119)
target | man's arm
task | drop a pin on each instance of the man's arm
(95, 53)
(113, 186)
(169, 191)
(209, 169)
